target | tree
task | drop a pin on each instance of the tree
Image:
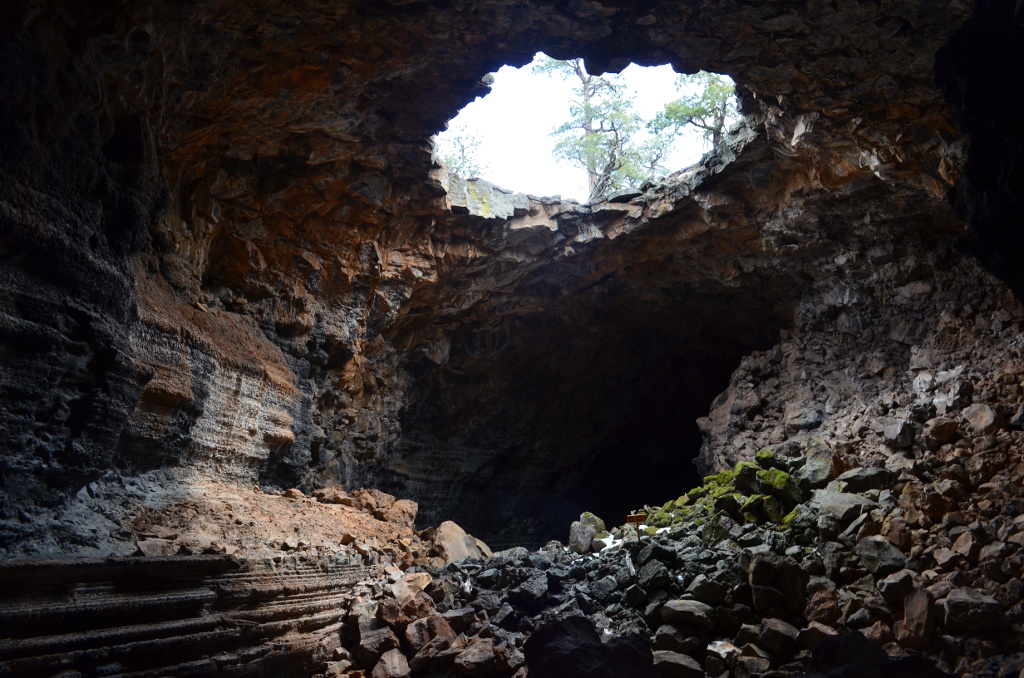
(600, 135)
(710, 104)
(459, 150)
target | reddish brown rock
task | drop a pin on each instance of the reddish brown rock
(478, 659)
(392, 664)
(918, 624)
(422, 631)
(824, 607)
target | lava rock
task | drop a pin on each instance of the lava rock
(572, 648)
(392, 664)
(968, 609)
(863, 479)
(779, 637)
(422, 631)
(879, 556)
(478, 659)
(843, 506)
(654, 575)
(918, 624)
(981, 417)
(375, 638)
(532, 592)
(687, 613)
(819, 465)
(675, 665)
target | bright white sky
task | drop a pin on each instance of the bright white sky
(514, 123)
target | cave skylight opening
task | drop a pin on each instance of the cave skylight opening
(644, 118)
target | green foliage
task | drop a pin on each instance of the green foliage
(709, 106)
(459, 150)
(603, 133)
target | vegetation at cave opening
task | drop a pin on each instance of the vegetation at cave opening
(553, 119)
(606, 136)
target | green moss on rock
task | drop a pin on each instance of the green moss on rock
(765, 459)
(780, 485)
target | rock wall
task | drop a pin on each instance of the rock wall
(197, 616)
(228, 250)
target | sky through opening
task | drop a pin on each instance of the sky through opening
(513, 125)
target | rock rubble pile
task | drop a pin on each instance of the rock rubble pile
(747, 575)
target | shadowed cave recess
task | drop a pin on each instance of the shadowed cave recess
(234, 277)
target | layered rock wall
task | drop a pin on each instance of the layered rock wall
(200, 615)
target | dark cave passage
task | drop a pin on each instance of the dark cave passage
(590, 408)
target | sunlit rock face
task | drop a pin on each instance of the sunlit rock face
(226, 246)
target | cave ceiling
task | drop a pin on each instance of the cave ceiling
(271, 279)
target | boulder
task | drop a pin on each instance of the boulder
(532, 592)
(981, 417)
(879, 556)
(392, 664)
(967, 546)
(687, 613)
(896, 587)
(706, 590)
(941, 430)
(572, 648)
(422, 631)
(815, 632)
(779, 637)
(675, 665)
(375, 638)
(819, 465)
(478, 659)
(580, 537)
(654, 575)
(899, 434)
(968, 609)
(842, 506)
(863, 479)
(918, 624)
(802, 416)
(670, 638)
(824, 607)
(409, 585)
(455, 544)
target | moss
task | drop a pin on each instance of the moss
(651, 531)
(790, 519)
(719, 480)
(765, 459)
(683, 513)
(780, 485)
(589, 518)
(754, 504)
(746, 478)
(750, 518)
(772, 510)
(714, 532)
(660, 519)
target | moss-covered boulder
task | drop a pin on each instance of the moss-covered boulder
(729, 503)
(660, 519)
(780, 485)
(588, 518)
